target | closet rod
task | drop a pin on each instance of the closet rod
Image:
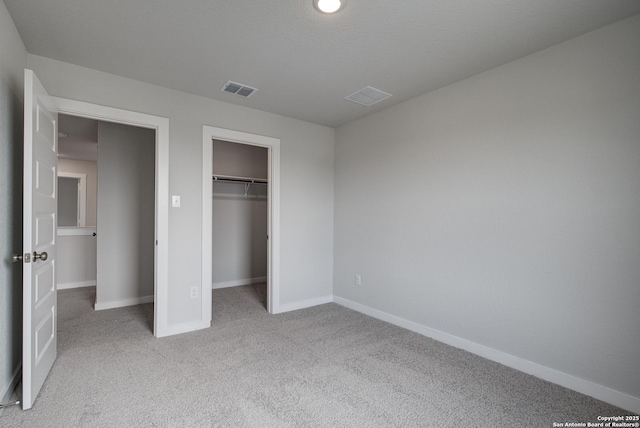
(232, 179)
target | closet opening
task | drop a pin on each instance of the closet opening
(240, 223)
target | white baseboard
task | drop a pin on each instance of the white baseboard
(5, 395)
(68, 285)
(239, 282)
(580, 385)
(132, 301)
(302, 304)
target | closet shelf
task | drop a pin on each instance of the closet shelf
(236, 179)
(247, 181)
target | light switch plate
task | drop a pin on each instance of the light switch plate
(175, 201)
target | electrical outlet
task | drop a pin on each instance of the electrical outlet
(194, 292)
(358, 279)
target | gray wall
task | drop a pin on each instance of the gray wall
(306, 264)
(90, 169)
(239, 224)
(13, 60)
(241, 160)
(76, 261)
(126, 212)
(505, 209)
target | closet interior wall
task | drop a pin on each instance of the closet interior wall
(239, 215)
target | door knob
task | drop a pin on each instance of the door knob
(42, 256)
(16, 258)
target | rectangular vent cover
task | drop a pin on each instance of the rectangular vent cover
(368, 96)
(238, 89)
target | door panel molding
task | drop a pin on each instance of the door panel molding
(39, 303)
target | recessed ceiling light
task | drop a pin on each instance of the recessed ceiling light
(329, 6)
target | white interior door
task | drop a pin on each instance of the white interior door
(39, 338)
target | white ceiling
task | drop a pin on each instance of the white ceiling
(304, 63)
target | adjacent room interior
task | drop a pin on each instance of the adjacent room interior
(106, 182)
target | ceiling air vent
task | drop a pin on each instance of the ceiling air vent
(368, 96)
(238, 89)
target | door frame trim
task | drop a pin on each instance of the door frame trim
(209, 133)
(161, 126)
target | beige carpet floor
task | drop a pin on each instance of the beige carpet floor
(325, 366)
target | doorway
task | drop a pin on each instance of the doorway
(272, 145)
(159, 195)
(240, 187)
(106, 214)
